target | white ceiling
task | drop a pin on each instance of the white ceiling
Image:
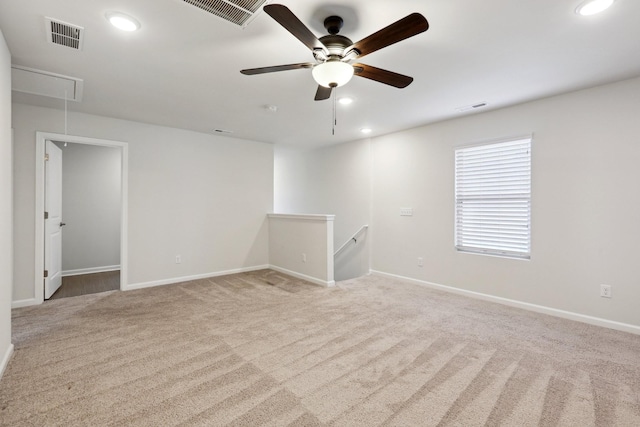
(182, 68)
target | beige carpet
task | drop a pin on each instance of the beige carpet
(265, 349)
(84, 284)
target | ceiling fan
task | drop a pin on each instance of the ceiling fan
(335, 53)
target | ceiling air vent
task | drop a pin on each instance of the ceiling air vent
(471, 107)
(239, 12)
(64, 34)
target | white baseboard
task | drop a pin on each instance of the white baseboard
(143, 285)
(90, 270)
(5, 360)
(170, 281)
(597, 321)
(25, 303)
(304, 276)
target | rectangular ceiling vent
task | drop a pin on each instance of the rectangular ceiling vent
(471, 107)
(239, 12)
(64, 34)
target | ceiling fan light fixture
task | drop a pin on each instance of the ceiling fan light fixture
(123, 22)
(591, 7)
(332, 73)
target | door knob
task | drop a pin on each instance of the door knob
(62, 224)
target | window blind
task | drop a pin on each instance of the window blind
(493, 198)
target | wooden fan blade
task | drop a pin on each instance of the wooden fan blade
(291, 23)
(273, 69)
(383, 76)
(407, 27)
(323, 93)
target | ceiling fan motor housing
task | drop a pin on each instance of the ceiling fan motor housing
(335, 44)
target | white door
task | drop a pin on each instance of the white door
(53, 220)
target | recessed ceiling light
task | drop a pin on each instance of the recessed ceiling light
(365, 130)
(591, 7)
(123, 22)
(345, 100)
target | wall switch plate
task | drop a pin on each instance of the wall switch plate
(178, 259)
(406, 211)
(304, 257)
(605, 291)
(420, 262)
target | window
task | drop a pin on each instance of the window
(493, 198)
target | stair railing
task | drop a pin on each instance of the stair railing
(352, 238)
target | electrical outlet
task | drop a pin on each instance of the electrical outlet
(178, 259)
(406, 211)
(304, 257)
(605, 291)
(420, 262)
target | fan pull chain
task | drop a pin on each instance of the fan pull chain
(334, 120)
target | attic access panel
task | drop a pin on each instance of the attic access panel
(239, 12)
(44, 83)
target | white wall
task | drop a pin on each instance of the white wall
(200, 196)
(334, 180)
(91, 194)
(6, 202)
(302, 246)
(585, 202)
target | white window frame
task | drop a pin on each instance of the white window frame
(493, 198)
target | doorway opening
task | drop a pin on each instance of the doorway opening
(85, 284)
(82, 280)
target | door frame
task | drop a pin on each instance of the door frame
(41, 137)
